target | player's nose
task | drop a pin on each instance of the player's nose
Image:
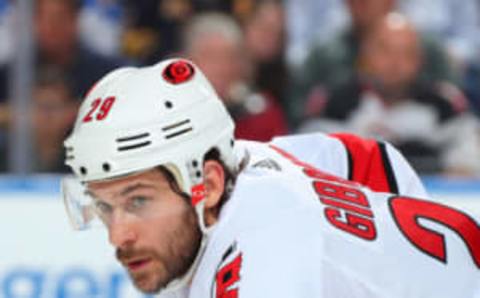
(121, 233)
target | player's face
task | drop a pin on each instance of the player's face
(153, 229)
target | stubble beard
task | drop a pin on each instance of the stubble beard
(183, 245)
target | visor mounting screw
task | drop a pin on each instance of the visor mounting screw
(195, 163)
(106, 167)
(168, 104)
(83, 170)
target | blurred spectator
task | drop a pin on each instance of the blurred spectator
(53, 113)
(3, 83)
(154, 28)
(312, 22)
(101, 24)
(455, 23)
(4, 120)
(265, 46)
(471, 86)
(6, 19)
(388, 99)
(215, 43)
(6, 51)
(331, 64)
(6, 45)
(225, 6)
(56, 32)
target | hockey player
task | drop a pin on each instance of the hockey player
(194, 212)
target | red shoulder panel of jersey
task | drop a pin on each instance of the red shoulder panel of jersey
(369, 164)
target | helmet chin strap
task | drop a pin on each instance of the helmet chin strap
(198, 201)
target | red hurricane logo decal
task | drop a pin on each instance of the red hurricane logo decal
(178, 72)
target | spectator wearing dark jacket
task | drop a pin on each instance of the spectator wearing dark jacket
(332, 63)
(388, 99)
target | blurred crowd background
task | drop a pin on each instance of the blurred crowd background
(404, 71)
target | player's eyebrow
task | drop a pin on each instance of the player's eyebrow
(124, 192)
(134, 187)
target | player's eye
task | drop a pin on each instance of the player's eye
(137, 202)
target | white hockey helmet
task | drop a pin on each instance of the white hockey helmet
(135, 119)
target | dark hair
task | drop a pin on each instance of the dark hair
(173, 182)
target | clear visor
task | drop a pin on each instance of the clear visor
(86, 211)
(78, 204)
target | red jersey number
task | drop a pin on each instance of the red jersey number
(99, 109)
(347, 209)
(407, 211)
(227, 277)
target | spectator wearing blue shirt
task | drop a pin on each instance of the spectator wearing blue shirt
(101, 25)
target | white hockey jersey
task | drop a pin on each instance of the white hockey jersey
(372, 163)
(290, 230)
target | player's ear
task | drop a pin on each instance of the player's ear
(214, 180)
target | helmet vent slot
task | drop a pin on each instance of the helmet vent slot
(175, 125)
(178, 133)
(134, 146)
(133, 142)
(131, 138)
(69, 153)
(177, 129)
